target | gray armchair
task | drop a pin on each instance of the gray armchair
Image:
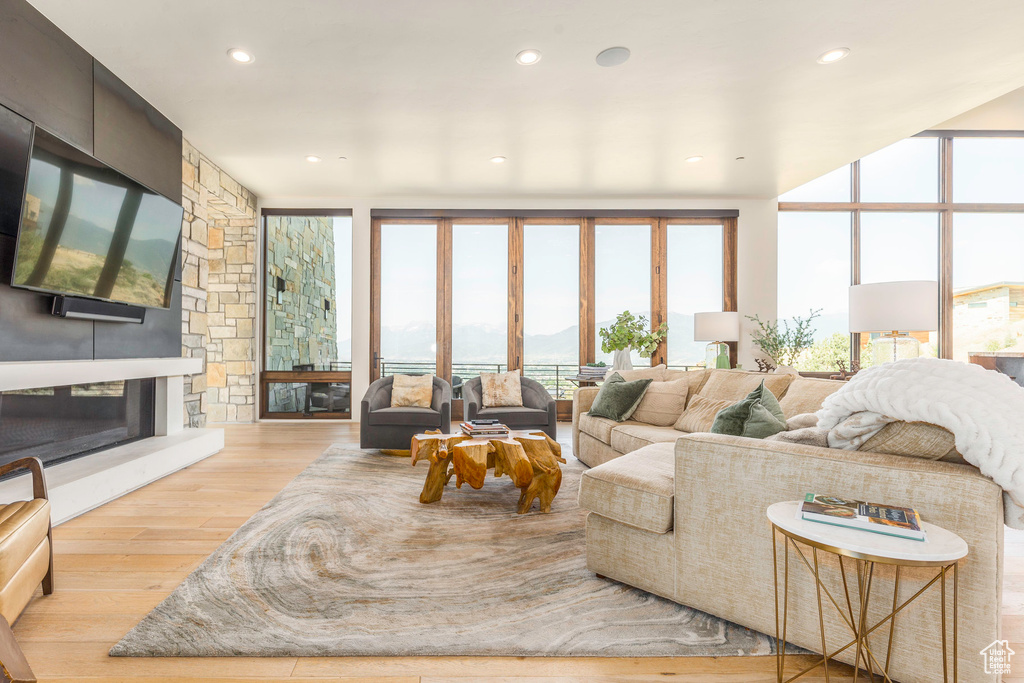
(382, 426)
(537, 411)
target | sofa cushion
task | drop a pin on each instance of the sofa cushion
(756, 417)
(700, 414)
(655, 373)
(632, 437)
(515, 416)
(636, 489)
(618, 398)
(806, 394)
(916, 439)
(734, 385)
(694, 379)
(408, 416)
(598, 427)
(663, 403)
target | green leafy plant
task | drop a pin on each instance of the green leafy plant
(632, 332)
(784, 343)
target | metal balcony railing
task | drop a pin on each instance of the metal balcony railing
(554, 376)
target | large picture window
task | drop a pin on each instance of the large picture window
(307, 323)
(460, 294)
(938, 206)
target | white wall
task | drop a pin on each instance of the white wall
(757, 264)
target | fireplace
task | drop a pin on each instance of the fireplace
(61, 423)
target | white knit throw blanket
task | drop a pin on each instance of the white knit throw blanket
(983, 409)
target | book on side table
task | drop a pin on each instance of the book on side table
(856, 514)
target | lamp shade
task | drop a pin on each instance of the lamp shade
(910, 305)
(717, 326)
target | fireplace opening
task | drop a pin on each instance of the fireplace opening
(60, 423)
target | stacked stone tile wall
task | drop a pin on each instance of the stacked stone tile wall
(301, 328)
(218, 292)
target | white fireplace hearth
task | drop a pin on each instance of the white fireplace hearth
(86, 482)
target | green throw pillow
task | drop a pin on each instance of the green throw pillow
(758, 416)
(618, 398)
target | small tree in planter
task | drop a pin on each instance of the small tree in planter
(630, 332)
(783, 345)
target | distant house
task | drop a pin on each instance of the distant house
(996, 303)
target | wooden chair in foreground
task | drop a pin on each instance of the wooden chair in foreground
(26, 560)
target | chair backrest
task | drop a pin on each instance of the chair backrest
(534, 393)
(379, 392)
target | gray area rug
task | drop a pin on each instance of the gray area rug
(345, 561)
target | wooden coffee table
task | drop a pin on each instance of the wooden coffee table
(529, 458)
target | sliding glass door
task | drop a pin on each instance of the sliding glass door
(479, 295)
(408, 298)
(622, 277)
(551, 304)
(461, 295)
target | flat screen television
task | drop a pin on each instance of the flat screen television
(15, 147)
(87, 230)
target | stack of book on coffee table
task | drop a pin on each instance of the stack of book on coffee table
(484, 428)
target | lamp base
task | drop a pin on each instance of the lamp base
(893, 347)
(716, 355)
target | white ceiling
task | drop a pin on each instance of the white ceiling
(1002, 113)
(419, 95)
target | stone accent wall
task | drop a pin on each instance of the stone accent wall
(218, 292)
(300, 329)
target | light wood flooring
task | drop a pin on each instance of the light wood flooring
(116, 563)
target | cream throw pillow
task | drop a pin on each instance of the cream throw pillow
(412, 391)
(700, 414)
(501, 390)
(662, 404)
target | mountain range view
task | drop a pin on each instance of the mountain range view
(485, 344)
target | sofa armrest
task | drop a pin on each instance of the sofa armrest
(723, 539)
(581, 402)
(472, 400)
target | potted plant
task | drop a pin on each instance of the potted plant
(627, 333)
(784, 344)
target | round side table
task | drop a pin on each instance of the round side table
(942, 551)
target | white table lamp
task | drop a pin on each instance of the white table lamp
(893, 306)
(717, 327)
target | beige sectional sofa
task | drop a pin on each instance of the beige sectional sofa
(682, 515)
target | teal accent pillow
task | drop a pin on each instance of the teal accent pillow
(618, 398)
(758, 416)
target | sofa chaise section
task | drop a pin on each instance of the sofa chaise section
(717, 555)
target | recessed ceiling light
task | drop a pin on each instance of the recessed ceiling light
(833, 55)
(497, 160)
(528, 57)
(343, 158)
(241, 56)
(694, 159)
(312, 158)
(740, 158)
(613, 56)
